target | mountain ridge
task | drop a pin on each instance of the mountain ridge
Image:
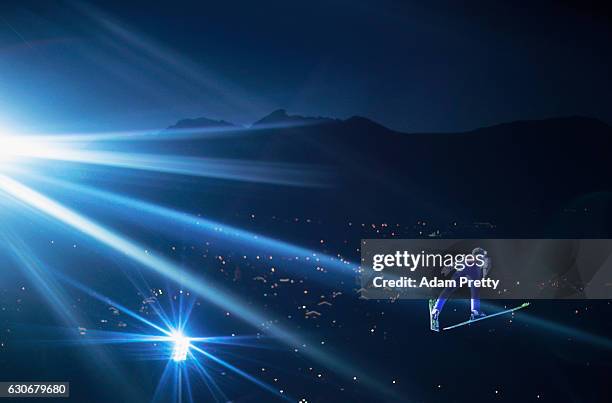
(499, 173)
(280, 116)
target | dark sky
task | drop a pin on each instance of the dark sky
(426, 66)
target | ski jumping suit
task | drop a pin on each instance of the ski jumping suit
(474, 273)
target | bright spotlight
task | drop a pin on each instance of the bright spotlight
(6, 147)
(24, 146)
(16, 146)
(181, 346)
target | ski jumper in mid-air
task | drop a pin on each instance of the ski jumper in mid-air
(473, 272)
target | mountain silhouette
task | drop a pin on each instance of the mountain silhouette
(519, 172)
(280, 116)
(200, 123)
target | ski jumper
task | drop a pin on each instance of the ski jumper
(474, 273)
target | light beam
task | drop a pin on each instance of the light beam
(219, 168)
(213, 294)
(203, 224)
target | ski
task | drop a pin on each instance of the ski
(467, 322)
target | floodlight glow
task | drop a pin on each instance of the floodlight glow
(9, 146)
(12, 147)
(49, 148)
(211, 293)
(181, 346)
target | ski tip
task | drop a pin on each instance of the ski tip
(525, 304)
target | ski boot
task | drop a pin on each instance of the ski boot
(477, 315)
(434, 323)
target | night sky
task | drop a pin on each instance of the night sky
(118, 246)
(410, 66)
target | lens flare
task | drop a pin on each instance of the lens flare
(181, 346)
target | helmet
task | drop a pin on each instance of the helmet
(479, 251)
